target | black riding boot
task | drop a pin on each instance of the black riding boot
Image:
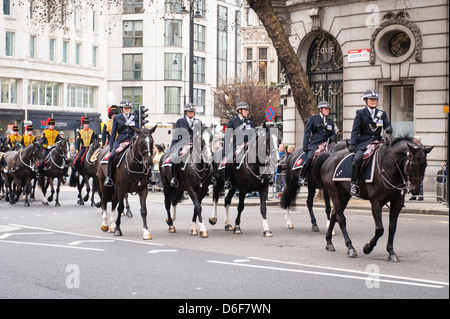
(354, 189)
(108, 180)
(174, 180)
(303, 178)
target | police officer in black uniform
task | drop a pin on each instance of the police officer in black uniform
(241, 122)
(319, 129)
(122, 127)
(367, 127)
(185, 124)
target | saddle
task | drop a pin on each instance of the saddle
(240, 148)
(181, 153)
(370, 149)
(303, 156)
(119, 154)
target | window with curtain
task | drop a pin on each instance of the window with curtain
(172, 100)
(199, 70)
(199, 37)
(134, 95)
(81, 96)
(9, 44)
(43, 93)
(173, 32)
(8, 90)
(133, 6)
(199, 100)
(132, 66)
(133, 33)
(172, 66)
(222, 47)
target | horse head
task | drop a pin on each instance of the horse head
(37, 153)
(143, 146)
(416, 163)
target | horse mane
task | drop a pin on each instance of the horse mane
(398, 139)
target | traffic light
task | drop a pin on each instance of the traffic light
(142, 116)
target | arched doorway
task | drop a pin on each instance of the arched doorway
(325, 73)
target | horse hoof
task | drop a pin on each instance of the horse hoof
(393, 258)
(352, 253)
(147, 236)
(80, 202)
(27, 204)
(204, 234)
(45, 203)
(229, 227)
(112, 230)
(367, 249)
(330, 247)
(117, 232)
(212, 220)
(86, 198)
(237, 230)
(104, 228)
(172, 229)
(290, 226)
(193, 232)
(57, 204)
(267, 233)
(315, 228)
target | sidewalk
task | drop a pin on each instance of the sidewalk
(428, 206)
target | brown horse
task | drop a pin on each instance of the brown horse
(131, 175)
(21, 170)
(399, 168)
(55, 166)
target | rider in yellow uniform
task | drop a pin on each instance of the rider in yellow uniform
(28, 138)
(50, 136)
(85, 138)
(15, 137)
(107, 128)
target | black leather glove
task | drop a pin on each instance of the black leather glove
(351, 148)
(389, 130)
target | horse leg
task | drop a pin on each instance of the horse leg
(237, 223)
(231, 192)
(127, 206)
(262, 201)
(88, 187)
(198, 213)
(80, 188)
(143, 197)
(326, 198)
(213, 217)
(52, 189)
(168, 205)
(287, 218)
(58, 187)
(309, 203)
(379, 230)
(27, 192)
(396, 207)
(115, 215)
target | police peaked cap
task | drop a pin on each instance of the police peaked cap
(324, 104)
(189, 107)
(370, 94)
(242, 105)
(125, 103)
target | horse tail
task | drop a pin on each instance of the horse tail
(290, 191)
(316, 167)
(73, 179)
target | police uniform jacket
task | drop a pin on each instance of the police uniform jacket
(365, 129)
(245, 125)
(123, 128)
(317, 132)
(85, 139)
(183, 123)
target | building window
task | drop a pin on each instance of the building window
(77, 53)
(399, 44)
(134, 95)
(52, 50)
(94, 56)
(199, 100)
(132, 67)
(6, 7)
(249, 59)
(133, 33)
(199, 70)
(222, 47)
(172, 100)
(173, 33)
(32, 44)
(402, 109)
(172, 66)
(8, 91)
(262, 65)
(65, 45)
(199, 37)
(43, 93)
(173, 5)
(81, 96)
(9, 44)
(133, 6)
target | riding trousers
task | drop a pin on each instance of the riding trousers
(358, 157)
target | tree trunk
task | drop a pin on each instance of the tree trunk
(304, 99)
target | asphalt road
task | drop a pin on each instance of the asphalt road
(60, 252)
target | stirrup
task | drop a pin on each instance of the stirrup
(213, 181)
(227, 185)
(174, 182)
(108, 182)
(302, 181)
(354, 189)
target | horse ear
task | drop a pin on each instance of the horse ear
(135, 129)
(428, 149)
(153, 129)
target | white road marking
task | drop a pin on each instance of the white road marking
(6, 235)
(48, 245)
(162, 251)
(76, 243)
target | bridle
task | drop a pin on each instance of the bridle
(146, 169)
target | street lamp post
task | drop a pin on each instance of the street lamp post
(191, 45)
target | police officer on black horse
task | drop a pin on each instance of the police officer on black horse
(319, 129)
(187, 123)
(241, 121)
(122, 127)
(367, 127)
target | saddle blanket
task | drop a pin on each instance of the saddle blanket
(239, 149)
(118, 159)
(168, 162)
(343, 171)
(300, 161)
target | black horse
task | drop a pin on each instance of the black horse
(54, 166)
(88, 170)
(399, 169)
(21, 171)
(131, 175)
(290, 191)
(194, 178)
(250, 176)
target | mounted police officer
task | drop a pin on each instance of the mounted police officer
(85, 138)
(240, 122)
(50, 136)
(367, 127)
(185, 124)
(28, 138)
(122, 130)
(319, 129)
(107, 128)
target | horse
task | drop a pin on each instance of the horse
(54, 166)
(21, 170)
(131, 175)
(290, 191)
(248, 175)
(194, 178)
(399, 169)
(88, 171)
